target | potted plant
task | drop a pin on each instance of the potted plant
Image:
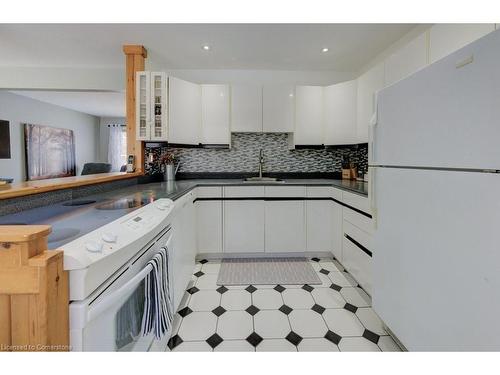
(167, 160)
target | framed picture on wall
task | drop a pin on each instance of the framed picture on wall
(50, 152)
(4, 140)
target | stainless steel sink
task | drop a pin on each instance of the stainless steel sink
(263, 179)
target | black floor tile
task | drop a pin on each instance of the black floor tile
(350, 308)
(371, 336)
(254, 339)
(333, 337)
(286, 309)
(219, 310)
(174, 342)
(294, 338)
(185, 311)
(214, 340)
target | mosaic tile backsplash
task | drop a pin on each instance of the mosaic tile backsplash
(243, 156)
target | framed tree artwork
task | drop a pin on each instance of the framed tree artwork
(50, 152)
(4, 140)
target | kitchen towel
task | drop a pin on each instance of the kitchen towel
(158, 304)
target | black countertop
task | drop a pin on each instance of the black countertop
(72, 221)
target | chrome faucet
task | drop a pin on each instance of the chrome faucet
(261, 162)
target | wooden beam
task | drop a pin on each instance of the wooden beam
(34, 291)
(135, 49)
(134, 60)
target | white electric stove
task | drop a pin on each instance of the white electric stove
(106, 272)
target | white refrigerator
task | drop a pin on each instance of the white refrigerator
(435, 193)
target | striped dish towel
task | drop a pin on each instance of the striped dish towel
(158, 304)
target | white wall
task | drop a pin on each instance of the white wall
(18, 109)
(62, 78)
(103, 135)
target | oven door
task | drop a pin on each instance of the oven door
(112, 316)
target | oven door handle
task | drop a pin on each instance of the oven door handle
(123, 292)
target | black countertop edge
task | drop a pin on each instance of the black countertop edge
(240, 175)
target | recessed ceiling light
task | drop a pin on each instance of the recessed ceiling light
(325, 49)
(206, 47)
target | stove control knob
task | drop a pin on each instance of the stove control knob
(162, 206)
(93, 246)
(109, 237)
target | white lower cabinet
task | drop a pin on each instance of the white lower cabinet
(209, 219)
(319, 219)
(184, 240)
(244, 226)
(337, 231)
(285, 226)
(357, 247)
(319, 224)
(358, 263)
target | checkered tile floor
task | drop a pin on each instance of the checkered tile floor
(333, 316)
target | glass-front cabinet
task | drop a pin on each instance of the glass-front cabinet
(151, 106)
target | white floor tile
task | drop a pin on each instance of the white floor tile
(325, 281)
(343, 322)
(267, 299)
(370, 320)
(330, 266)
(234, 346)
(338, 265)
(176, 324)
(198, 326)
(197, 267)
(317, 345)
(298, 298)
(235, 325)
(342, 279)
(208, 281)
(271, 324)
(356, 297)
(315, 265)
(328, 298)
(204, 300)
(236, 299)
(276, 345)
(387, 344)
(307, 323)
(210, 268)
(357, 344)
(184, 301)
(193, 346)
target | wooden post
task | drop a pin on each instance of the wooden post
(34, 293)
(134, 59)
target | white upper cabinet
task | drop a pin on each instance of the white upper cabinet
(407, 60)
(368, 84)
(185, 112)
(447, 38)
(215, 114)
(340, 112)
(246, 108)
(151, 106)
(278, 108)
(308, 115)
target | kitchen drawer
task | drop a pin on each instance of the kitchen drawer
(358, 263)
(319, 191)
(361, 221)
(285, 191)
(243, 191)
(364, 238)
(357, 201)
(209, 192)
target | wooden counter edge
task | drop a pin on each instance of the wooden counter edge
(42, 186)
(23, 233)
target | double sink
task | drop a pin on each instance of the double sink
(256, 180)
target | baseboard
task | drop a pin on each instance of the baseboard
(308, 254)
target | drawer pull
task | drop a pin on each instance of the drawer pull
(361, 247)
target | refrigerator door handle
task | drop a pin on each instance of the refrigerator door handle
(371, 139)
(372, 192)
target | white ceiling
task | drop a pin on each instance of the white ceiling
(101, 104)
(179, 46)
